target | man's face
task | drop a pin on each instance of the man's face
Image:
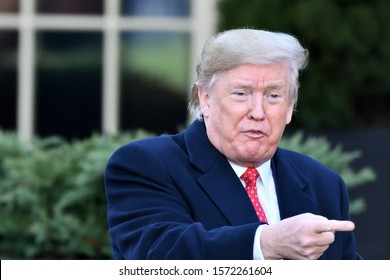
(246, 111)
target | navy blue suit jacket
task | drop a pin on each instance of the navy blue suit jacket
(177, 197)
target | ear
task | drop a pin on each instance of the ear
(204, 102)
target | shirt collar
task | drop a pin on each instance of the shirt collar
(264, 170)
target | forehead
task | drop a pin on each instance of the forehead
(249, 75)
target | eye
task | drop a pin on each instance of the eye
(239, 95)
(274, 97)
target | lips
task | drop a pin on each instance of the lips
(254, 133)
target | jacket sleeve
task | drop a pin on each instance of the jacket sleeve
(150, 218)
(347, 239)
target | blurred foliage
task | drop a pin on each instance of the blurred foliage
(346, 80)
(335, 158)
(52, 199)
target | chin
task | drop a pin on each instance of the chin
(260, 156)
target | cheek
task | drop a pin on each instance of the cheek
(289, 114)
(225, 120)
(277, 122)
(223, 110)
(279, 116)
(233, 118)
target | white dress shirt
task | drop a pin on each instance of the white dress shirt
(267, 195)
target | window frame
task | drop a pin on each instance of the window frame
(200, 24)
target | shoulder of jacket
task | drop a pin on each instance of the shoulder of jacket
(299, 160)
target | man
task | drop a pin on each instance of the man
(189, 196)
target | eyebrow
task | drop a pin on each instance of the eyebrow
(249, 85)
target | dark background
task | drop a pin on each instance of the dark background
(373, 225)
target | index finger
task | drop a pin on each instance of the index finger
(336, 225)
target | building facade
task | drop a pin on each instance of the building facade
(74, 68)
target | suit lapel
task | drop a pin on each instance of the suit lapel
(217, 177)
(225, 189)
(292, 187)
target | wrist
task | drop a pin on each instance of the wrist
(268, 244)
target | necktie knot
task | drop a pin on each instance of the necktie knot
(250, 177)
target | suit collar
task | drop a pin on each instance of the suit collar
(200, 150)
(292, 186)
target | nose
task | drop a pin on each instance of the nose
(255, 108)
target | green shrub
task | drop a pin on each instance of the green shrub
(52, 199)
(335, 158)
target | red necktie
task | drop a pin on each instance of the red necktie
(250, 177)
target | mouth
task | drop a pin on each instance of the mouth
(254, 134)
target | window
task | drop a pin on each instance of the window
(174, 8)
(73, 68)
(70, 7)
(9, 6)
(8, 79)
(154, 72)
(68, 83)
